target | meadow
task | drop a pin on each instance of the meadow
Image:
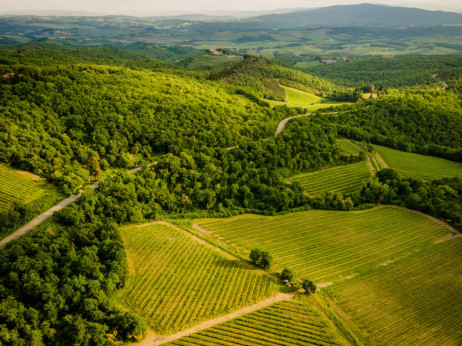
(171, 270)
(419, 166)
(299, 321)
(20, 186)
(327, 246)
(414, 301)
(340, 179)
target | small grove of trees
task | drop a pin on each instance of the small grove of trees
(261, 258)
(287, 274)
(309, 286)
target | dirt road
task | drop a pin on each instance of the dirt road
(38, 220)
(283, 123)
(153, 339)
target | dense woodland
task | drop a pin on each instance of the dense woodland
(65, 118)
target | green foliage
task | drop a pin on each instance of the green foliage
(423, 121)
(261, 258)
(249, 73)
(309, 286)
(287, 274)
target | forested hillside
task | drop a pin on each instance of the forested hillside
(425, 121)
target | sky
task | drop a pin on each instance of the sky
(152, 7)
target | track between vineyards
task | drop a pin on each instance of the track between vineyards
(153, 339)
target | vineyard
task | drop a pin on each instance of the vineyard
(419, 166)
(348, 147)
(415, 301)
(329, 245)
(18, 186)
(177, 281)
(300, 321)
(342, 179)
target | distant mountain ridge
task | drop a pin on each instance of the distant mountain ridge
(362, 14)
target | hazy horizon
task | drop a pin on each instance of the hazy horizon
(178, 7)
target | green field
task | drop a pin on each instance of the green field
(301, 98)
(300, 321)
(329, 245)
(177, 281)
(419, 166)
(341, 179)
(18, 185)
(348, 147)
(414, 301)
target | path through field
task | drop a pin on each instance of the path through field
(63, 204)
(153, 339)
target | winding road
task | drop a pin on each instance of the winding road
(38, 220)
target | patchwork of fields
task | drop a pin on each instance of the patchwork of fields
(300, 321)
(171, 270)
(419, 166)
(415, 301)
(342, 179)
(18, 186)
(329, 245)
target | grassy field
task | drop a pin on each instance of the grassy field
(329, 245)
(342, 179)
(301, 98)
(300, 321)
(177, 281)
(21, 186)
(348, 147)
(414, 301)
(419, 166)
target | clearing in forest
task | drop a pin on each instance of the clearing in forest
(18, 185)
(342, 179)
(177, 280)
(300, 321)
(419, 166)
(328, 246)
(413, 301)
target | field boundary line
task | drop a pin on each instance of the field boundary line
(154, 339)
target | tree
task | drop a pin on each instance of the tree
(288, 274)
(309, 286)
(261, 258)
(94, 167)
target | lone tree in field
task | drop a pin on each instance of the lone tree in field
(309, 286)
(261, 258)
(288, 274)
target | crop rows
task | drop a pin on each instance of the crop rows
(419, 166)
(343, 179)
(15, 186)
(295, 322)
(180, 282)
(348, 147)
(327, 245)
(415, 301)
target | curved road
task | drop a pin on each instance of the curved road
(38, 220)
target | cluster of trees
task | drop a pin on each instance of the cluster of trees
(55, 283)
(423, 121)
(248, 74)
(261, 258)
(441, 198)
(252, 176)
